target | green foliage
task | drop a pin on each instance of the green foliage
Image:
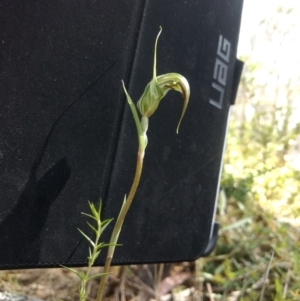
(258, 204)
(255, 166)
(95, 248)
(243, 253)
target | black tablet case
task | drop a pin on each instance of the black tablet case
(67, 135)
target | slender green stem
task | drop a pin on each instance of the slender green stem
(120, 220)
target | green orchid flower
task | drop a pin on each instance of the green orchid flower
(154, 92)
(159, 86)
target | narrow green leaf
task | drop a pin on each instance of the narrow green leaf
(105, 226)
(92, 227)
(123, 204)
(100, 207)
(96, 255)
(72, 270)
(93, 210)
(83, 275)
(88, 239)
(133, 111)
(124, 200)
(107, 221)
(104, 245)
(239, 224)
(89, 215)
(96, 275)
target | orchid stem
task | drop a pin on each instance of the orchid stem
(120, 220)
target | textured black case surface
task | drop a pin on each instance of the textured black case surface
(67, 135)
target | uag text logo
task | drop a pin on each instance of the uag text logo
(220, 72)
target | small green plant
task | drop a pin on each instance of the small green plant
(148, 103)
(154, 92)
(95, 249)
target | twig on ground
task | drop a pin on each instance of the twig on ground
(266, 278)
